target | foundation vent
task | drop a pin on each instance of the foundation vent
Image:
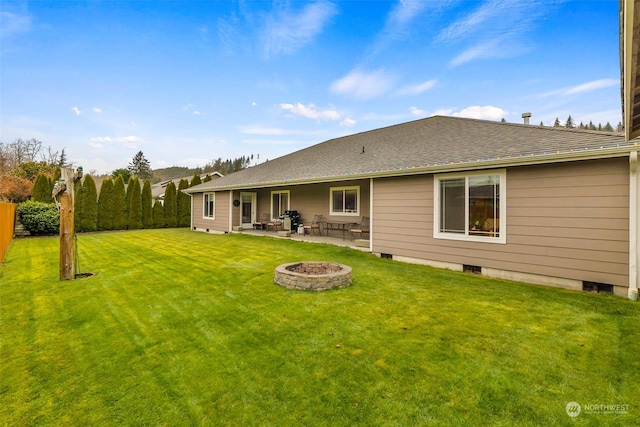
(597, 288)
(475, 269)
(386, 256)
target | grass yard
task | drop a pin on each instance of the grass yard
(185, 328)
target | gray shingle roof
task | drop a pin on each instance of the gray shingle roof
(431, 144)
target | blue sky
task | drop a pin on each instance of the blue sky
(189, 81)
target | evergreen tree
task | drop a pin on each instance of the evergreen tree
(42, 189)
(207, 178)
(183, 204)
(195, 180)
(135, 205)
(569, 124)
(158, 215)
(581, 126)
(608, 127)
(619, 128)
(78, 206)
(140, 166)
(556, 124)
(89, 217)
(119, 204)
(130, 182)
(170, 205)
(126, 174)
(591, 126)
(105, 206)
(147, 205)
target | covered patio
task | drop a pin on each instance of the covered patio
(332, 239)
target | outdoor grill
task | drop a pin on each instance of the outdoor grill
(291, 220)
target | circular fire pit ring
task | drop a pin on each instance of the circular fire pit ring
(313, 275)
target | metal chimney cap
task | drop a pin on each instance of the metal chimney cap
(526, 115)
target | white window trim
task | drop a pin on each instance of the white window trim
(353, 187)
(437, 234)
(204, 206)
(288, 193)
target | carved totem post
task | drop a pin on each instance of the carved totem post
(63, 193)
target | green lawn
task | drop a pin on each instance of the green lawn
(186, 328)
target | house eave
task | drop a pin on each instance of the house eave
(528, 160)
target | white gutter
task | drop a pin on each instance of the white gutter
(634, 220)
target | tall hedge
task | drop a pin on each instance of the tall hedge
(183, 204)
(78, 206)
(170, 206)
(39, 218)
(119, 204)
(195, 180)
(105, 205)
(135, 204)
(42, 188)
(89, 217)
(158, 215)
(147, 205)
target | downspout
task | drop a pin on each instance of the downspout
(633, 226)
(370, 214)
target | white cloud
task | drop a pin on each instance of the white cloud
(196, 113)
(348, 122)
(417, 88)
(126, 141)
(582, 88)
(253, 104)
(418, 112)
(362, 85)
(486, 112)
(76, 111)
(310, 111)
(496, 29)
(261, 130)
(97, 110)
(287, 31)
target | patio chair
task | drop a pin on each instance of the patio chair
(261, 224)
(275, 224)
(360, 229)
(315, 225)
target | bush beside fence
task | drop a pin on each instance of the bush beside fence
(7, 226)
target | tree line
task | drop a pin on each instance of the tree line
(119, 207)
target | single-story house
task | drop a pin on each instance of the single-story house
(537, 204)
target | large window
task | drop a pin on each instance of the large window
(470, 207)
(209, 205)
(345, 201)
(279, 203)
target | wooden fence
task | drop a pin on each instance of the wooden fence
(7, 226)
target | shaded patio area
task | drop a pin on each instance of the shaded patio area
(336, 239)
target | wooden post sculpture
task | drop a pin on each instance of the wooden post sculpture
(63, 194)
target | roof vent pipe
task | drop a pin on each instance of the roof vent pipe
(526, 116)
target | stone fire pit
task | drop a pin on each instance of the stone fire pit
(313, 275)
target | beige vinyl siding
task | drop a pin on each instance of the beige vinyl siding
(563, 220)
(313, 199)
(221, 221)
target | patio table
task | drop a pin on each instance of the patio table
(343, 226)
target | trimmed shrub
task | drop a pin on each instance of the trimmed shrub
(105, 206)
(158, 215)
(89, 217)
(39, 218)
(135, 205)
(184, 204)
(170, 206)
(147, 205)
(42, 189)
(119, 204)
